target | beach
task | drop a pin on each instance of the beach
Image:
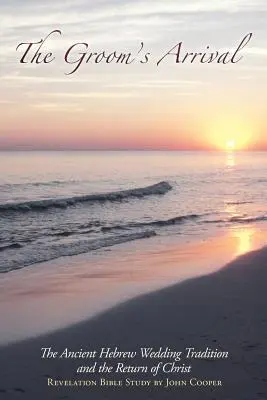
(72, 289)
(224, 310)
(113, 284)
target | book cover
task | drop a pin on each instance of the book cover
(133, 199)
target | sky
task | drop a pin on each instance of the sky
(175, 106)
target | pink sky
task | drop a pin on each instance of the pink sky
(134, 106)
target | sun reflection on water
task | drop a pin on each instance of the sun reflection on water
(230, 159)
(245, 239)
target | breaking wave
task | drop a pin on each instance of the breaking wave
(39, 252)
(158, 223)
(51, 252)
(236, 203)
(238, 220)
(10, 246)
(247, 220)
(156, 189)
(19, 255)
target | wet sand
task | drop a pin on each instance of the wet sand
(225, 310)
(76, 288)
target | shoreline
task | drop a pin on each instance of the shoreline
(223, 310)
(74, 289)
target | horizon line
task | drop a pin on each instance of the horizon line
(137, 149)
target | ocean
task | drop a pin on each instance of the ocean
(64, 203)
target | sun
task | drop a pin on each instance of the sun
(231, 144)
(229, 133)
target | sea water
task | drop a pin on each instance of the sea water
(54, 204)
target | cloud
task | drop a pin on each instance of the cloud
(97, 94)
(256, 51)
(159, 84)
(6, 102)
(121, 24)
(45, 79)
(58, 107)
(61, 13)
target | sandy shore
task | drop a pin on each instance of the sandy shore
(73, 289)
(225, 310)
